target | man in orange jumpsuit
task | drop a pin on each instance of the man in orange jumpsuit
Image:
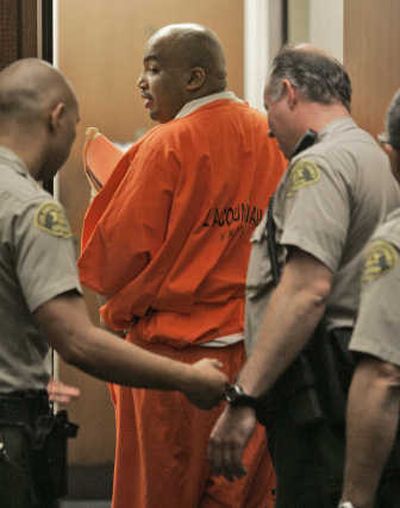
(166, 242)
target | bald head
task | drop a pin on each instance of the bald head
(191, 45)
(29, 88)
(181, 63)
(38, 115)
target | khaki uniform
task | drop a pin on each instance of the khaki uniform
(37, 263)
(329, 202)
(378, 322)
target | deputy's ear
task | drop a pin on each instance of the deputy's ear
(56, 114)
(388, 149)
(196, 79)
(291, 92)
(394, 157)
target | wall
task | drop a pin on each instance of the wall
(263, 21)
(326, 26)
(319, 22)
(100, 47)
(298, 21)
(371, 55)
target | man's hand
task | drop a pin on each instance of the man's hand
(62, 393)
(228, 440)
(207, 385)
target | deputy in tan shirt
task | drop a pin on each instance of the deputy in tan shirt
(37, 263)
(372, 473)
(327, 205)
(329, 202)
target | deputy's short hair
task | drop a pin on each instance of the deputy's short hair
(318, 76)
(393, 121)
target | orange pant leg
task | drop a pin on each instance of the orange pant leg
(161, 448)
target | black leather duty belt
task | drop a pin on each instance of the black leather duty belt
(23, 407)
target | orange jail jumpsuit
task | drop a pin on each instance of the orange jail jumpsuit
(167, 242)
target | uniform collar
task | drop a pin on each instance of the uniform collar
(192, 106)
(339, 125)
(342, 124)
(12, 160)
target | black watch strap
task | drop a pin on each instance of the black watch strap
(236, 396)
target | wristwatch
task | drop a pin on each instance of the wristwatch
(346, 504)
(236, 396)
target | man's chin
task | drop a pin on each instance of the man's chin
(154, 116)
(284, 149)
(52, 166)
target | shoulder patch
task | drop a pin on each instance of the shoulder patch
(381, 258)
(50, 217)
(304, 173)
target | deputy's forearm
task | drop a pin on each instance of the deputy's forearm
(372, 420)
(126, 364)
(295, 308)
(288, 323)
(67, 325)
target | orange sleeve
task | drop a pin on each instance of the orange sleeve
(100, 157)
(134, 224)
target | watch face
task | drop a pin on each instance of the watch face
(235, 396)
(231, 393)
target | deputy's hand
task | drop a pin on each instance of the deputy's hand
(228, 440)
(207, 384)
(61, 393)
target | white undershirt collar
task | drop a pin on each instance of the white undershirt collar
(191, 106)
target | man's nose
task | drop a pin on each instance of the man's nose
(141, 83)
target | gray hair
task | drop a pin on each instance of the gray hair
(393, 121)
(318, 76)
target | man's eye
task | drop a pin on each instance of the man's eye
(153, 70)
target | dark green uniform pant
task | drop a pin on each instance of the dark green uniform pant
(22, 484)
(309, 466)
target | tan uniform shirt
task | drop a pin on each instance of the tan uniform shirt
(328, 204)
(377, 330)
(37, 263)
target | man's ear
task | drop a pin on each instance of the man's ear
(390, 151)
(196, 79)
(290, 91)
(394, 157)
(56, 113)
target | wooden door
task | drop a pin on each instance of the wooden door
(371, 55)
